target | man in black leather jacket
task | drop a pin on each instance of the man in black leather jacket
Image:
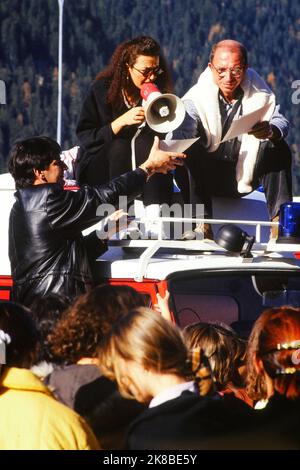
(46, 248)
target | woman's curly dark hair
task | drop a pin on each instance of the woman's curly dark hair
(46, 311)
(117, 71)
(89, 319)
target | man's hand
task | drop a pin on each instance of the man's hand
(160, 161)
(264, 130)
(112, 224)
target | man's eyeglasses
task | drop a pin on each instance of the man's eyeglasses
(235, 71)
(149, 71)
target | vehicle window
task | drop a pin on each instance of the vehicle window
(194, 308)
(233, 298)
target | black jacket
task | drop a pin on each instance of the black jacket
(277, 425)
(46, 248)
(94, 129)
(94, 125)
(191, 422)
(104, 155)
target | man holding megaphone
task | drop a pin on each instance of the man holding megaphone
(112, 114)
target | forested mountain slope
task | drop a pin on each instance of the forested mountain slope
(270, 29)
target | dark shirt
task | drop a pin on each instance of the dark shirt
(277, 426)
(190, 422)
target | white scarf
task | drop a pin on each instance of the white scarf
(205, 96)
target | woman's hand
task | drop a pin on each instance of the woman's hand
(134, 116)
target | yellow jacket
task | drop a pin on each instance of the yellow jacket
(30, 418)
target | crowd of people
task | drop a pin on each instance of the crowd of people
(107, 372)
(93, 367)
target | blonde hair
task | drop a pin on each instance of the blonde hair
(147, 339)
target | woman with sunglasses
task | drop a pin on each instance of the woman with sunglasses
(112, 113)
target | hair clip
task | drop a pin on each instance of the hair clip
(286, 371)
(4, 337)
(296, 357)
(288, 345)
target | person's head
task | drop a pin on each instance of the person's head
(134, 63)
(89, 319)
(228, 63)
(18, 334)
(46, 312)
(36, 160)
(273, 354)
(141, 347)
(223, 348)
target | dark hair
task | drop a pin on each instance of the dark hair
(117, 71)
(46, 312)
(219, 45)
(89, 319)
(273, 340)
(22, 335)
(30, 154)
(223, 348)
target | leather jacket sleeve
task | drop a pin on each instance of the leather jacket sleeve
(68, 210)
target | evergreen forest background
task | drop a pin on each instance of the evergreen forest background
(186, 29)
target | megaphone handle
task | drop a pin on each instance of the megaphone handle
(133, 159)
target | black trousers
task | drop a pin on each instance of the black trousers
(206, 175)
(114, 159)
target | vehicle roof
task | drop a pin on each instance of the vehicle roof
(173, 257)
(130, 264)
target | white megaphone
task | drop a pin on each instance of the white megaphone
(163, 112)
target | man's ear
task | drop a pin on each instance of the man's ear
(39, 176)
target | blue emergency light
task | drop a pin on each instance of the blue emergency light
(289, 223)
